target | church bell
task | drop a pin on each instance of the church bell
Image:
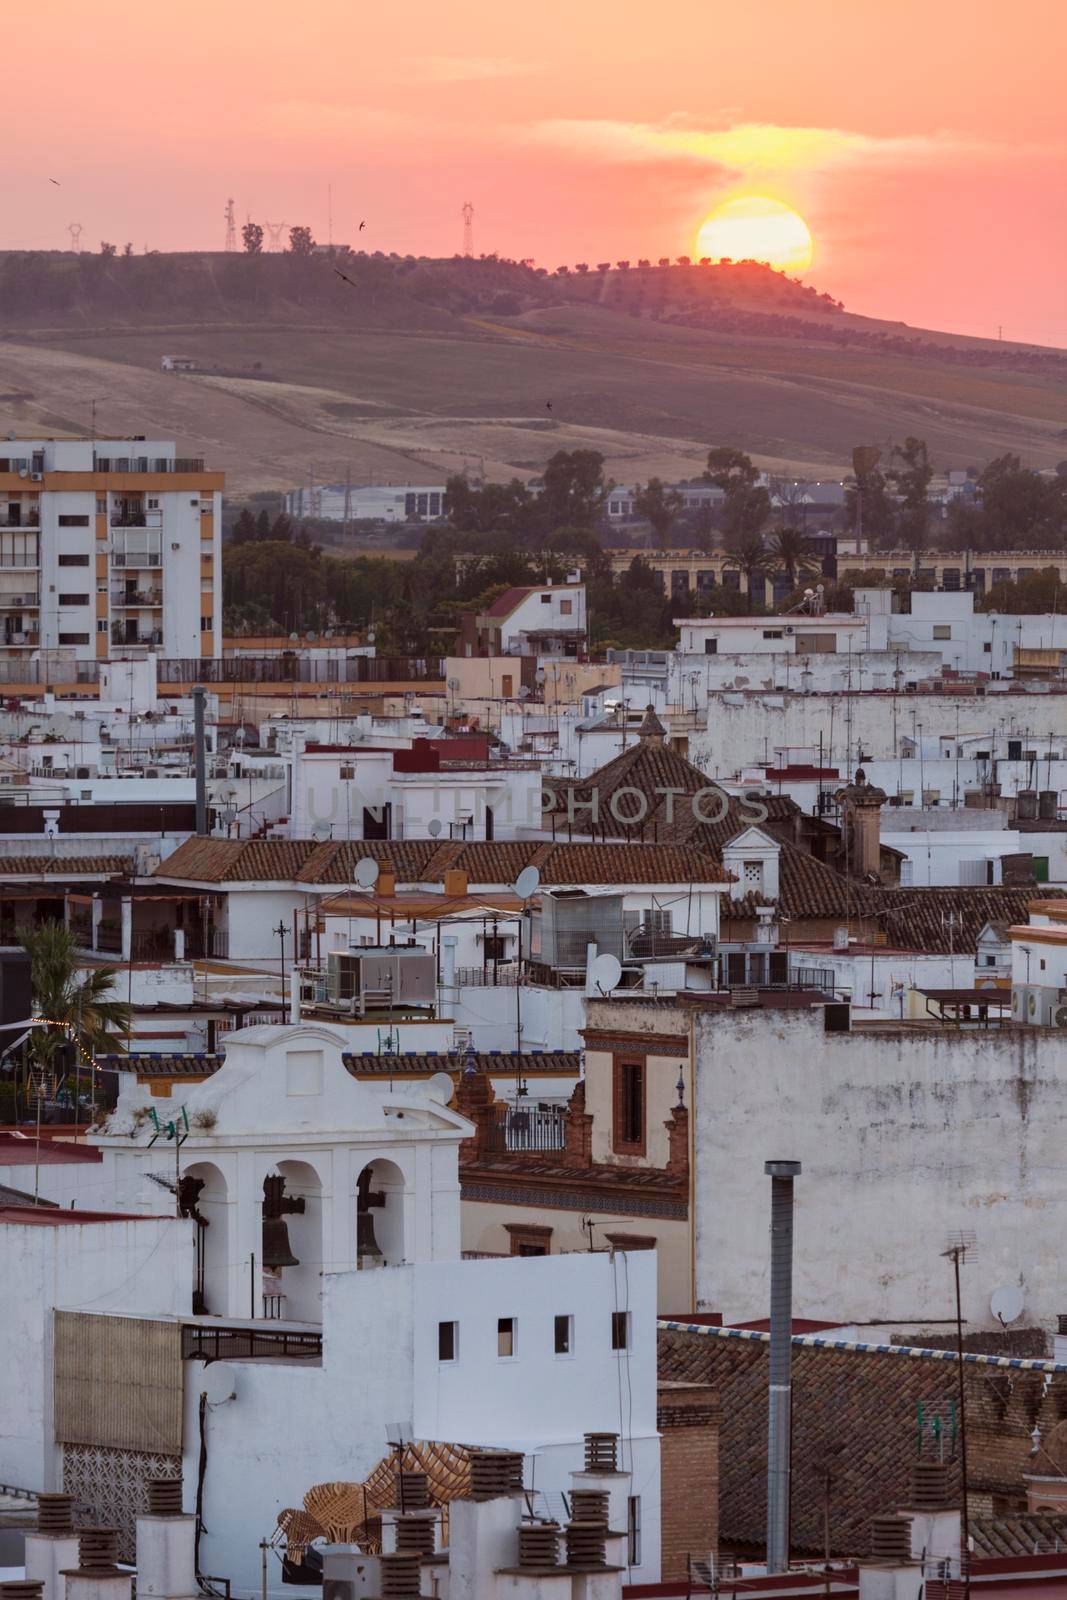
(368, 1250)
(277, 1251)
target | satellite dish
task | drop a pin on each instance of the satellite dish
(433, 827)
(366, 873)
(440, 1088)
(1007, 1304)
(606, 972)
(294, 638)
(220, 1382)
(527, 882)
(322, 831)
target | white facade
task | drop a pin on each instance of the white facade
(70, 502)
(558, 609)
(793, 635)
(368, 502)
(905, 1138)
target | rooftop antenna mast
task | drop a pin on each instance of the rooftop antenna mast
(274, 235)
(75, 231)
(231, 226)
(468, 228)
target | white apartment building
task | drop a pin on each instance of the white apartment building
(108, 544)
(368, 502)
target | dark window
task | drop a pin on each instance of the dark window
(74, 599)
(620, 1330)
(837, 1018)
(546, 599)
(1015, 749)
(772, 633)
(66, 520)
(73, 561)
(779, 963)
(74, 638)
(494, 948)
(563, 1334)
(633, 1531)
(711, 647)
(505, 1337)
(205, 624)
(447, 1341)
(630, 1106)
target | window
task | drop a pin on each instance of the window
(67, 520)
(73, 561)
(546, 599)
(529, 1238)
(988, 648)
(101, 505)
(505, 1337)
(633, 1530)
(448, 1341)
(494, 948)
(205, 624)
(942, 630)
(74, 638)
(711, 647)
(563, 1334)
(153, 504)
(74, 599)
(566, 608)
(348, 772)
(629, 1107)
(772, 633)
(620, 1330)
(506, 685)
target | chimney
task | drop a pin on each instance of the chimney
(386, 884)
(781, 1174)
(98, 1575)
(861, 805)
(53, 1549)
(455, 883)
(166, 1544)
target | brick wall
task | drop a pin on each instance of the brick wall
(687, 1415)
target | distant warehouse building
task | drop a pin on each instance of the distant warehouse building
(368, 502)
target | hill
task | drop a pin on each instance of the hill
(405, 368)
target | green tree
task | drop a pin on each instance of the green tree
(660, 507)
(77, 1006)
(107, 249)
(263, 525)
(912, 480)
(574, 490)
(301, 242)
(1020, 507)
(485, 508)
(869, 507)
(252, 234)
(748, 504)
(792, 552)
(244, 529)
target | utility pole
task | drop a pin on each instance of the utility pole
(280, 930)
(957, 1254)
(200, 759)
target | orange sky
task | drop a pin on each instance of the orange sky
(924, 141)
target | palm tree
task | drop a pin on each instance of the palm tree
(76, 1007)
(747, 552)
(791, 550)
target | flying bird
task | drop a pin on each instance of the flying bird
(56, 182)
(548, 405)
(362, 226)
(347, 279)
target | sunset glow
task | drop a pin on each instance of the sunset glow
(754, 228)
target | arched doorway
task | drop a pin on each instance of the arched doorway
(294, 1290)
(380, 1190)
(204, 1196)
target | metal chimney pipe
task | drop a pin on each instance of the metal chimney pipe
(781, 1174)
(201, 760)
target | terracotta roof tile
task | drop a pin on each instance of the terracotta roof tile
(855, 1413)
(64, 866)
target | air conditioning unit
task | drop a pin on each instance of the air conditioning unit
(1059, 1017)
(36, 477)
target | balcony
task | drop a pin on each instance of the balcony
(146, 636)
(26, 640)
(27, 601)
(533, 1127)
(136, 560)
(134, 597)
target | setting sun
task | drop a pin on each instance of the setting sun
(754, 228)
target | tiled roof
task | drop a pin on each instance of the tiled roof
(950, 919)
(497, 861)
(502, 1063)
(505, 603)
(64, 866)
(236, 860)
(1024, 1535)
(165, 1065)
(855, 1414)
(25, 1152)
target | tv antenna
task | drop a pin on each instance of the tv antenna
(274, 235)
(75, 231)
(468, 228)
(231, 226)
